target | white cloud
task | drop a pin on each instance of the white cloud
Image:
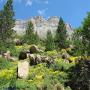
(46, 2)
(41, 1)
(42, 12)
(29, 3)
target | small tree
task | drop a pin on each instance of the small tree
(31, 37)
(37, 39)
(61, 35)
(86, 34)
(80, 75)
(50, 45)
(77, 42)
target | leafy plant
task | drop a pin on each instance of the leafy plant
(4, 64)
(80, 75)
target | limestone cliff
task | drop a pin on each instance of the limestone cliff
(41, 25)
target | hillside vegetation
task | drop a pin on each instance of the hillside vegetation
(56, 63)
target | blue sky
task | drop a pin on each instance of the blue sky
(72, 11)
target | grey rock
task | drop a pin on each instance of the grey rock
(7, 55)
(41, 25)
(36, 59)
(65, 55)
(33, 49)
(23, 69)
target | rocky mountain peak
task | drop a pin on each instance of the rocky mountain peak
(41, 25)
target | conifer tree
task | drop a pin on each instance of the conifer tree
(50, 45)
(61, 35)
(77, 42)
(86, 34)
(1, 25)
(31, 37)
(37, 39)
(7, 22)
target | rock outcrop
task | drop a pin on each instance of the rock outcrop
(33, 49)
(41, 25)
(22, 55)
(36, 59)
(23, 69)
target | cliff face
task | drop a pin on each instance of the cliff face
(41, 25)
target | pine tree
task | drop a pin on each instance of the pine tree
(31, 37)
(37, 40)
(9, 18)
(61, 35)
(1, 25)
(7, 23)
(29, 29)
(50, 45)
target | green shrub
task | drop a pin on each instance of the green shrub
(17, 49)
(6, 77)
(61, 65)
(23, 84)
(80, 75)
(44, 77)
(52, 53)
(5, 64)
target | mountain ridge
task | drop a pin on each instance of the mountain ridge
(41, 25)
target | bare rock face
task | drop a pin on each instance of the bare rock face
(23, 69)
(41, 25)
(69, 30)
(20, 27)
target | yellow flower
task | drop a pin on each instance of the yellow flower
(51, 53)
(73, 58)
(39, 77)
(6, 73)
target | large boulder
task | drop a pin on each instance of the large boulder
(23, 69)
(7, 55)
(48, 60)
(22, 55)
(36, 59)
(33, 49)
(32, 59)
(18, 42)
(65, 55)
